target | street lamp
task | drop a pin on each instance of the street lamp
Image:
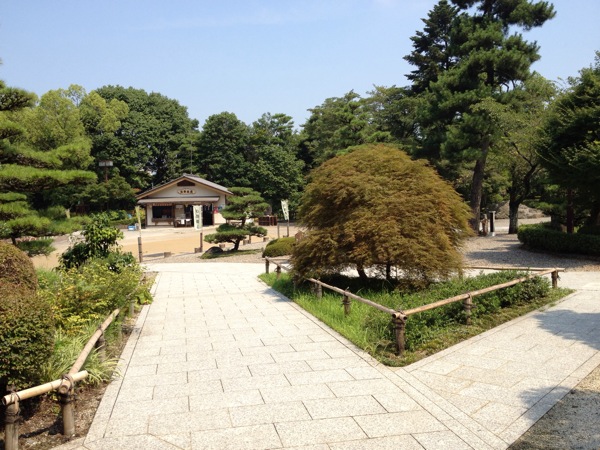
(106, 165)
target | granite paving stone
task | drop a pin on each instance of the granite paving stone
(219, 360)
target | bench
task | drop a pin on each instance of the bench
(159, 220)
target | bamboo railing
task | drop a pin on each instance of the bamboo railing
(65, 387)
(400, 317)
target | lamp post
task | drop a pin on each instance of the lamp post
(106, 164)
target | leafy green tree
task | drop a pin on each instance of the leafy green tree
(333, 126)
(223, 152)
(276, 172)
(572, 152)
(375, 207)
(488, 59)
(151, 144)
(520, 124)
(245, 204)
(26, 171)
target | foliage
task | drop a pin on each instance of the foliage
(541, 237)
(147, 135)
(100, 239)
(26, 321)
(572, 152)
(471, 54)
(234, 234)
(279, 247)
(41, 149)
(90, 292)
(16, 269)
(377, 207)
(35, 247)
(245, 204)
(223, 153)
(426, 332)
(67, 348)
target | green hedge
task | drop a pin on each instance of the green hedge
(26, 321)
(279, 247)
(540, 237)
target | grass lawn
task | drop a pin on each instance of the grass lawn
(427, 332)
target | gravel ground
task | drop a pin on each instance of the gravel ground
(573, 422)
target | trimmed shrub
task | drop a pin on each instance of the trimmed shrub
(540, 237)
(279, 247)
(42, 246)
(26, 336)
(16, 269)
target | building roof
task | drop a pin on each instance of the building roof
(189, 177)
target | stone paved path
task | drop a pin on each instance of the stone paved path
(219, 360)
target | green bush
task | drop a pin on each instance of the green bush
(26, 336)
(279, 247)
(90, 292)
(15, 268)
(540, 237)
(100, 239)
(590, 229)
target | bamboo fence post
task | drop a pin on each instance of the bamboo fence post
(267, 265)
(319, 292)
(555, 279)
(11, 425)
(278, 272)
(346, 303)
(399, 322)
(468, 306)
(66, 399)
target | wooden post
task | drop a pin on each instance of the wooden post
(468, 306)
(319, 292)
(278, 272)
(399, 322)
(266, 266)
(346, 303)
(140, 257)
(66, 398)
(11, 427)
(555, 279)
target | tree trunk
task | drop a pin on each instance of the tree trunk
(388, 271)
(477, 187)
(594, 219)
(570, 212)
(513, 216)
(236, 246)
(361, 273)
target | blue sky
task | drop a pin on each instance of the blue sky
(248, 57)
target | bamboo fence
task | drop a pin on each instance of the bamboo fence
(65, 387)
(400, 317)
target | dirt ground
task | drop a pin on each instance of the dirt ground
(158, 240)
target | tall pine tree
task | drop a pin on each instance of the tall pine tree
(488, 59)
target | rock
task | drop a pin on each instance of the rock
(524, 211)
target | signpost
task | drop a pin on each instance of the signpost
(286, 214)
(139, 221)
(198, 224)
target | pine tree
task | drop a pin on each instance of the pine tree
(490, 59)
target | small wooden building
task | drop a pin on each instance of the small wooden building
(170, 204)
